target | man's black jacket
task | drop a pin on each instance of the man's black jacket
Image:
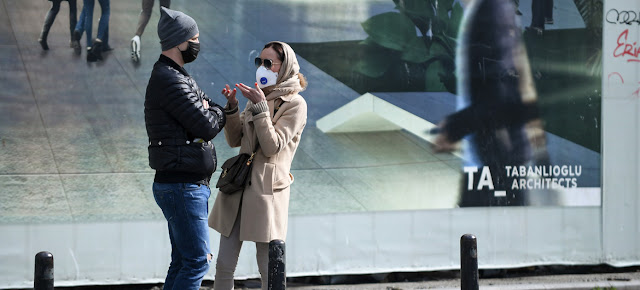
(178, 126)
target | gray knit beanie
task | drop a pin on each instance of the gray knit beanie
(174, 28)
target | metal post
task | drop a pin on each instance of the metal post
(43, 274)
(277, 273)
(468, 262)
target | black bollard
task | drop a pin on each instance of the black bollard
(43, 275)
(277, 273)
(468, 262)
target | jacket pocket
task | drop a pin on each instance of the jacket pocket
(162, 157)
(268, 177)
(198, 158)
(283, 182)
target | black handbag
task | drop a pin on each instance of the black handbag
(236, 173)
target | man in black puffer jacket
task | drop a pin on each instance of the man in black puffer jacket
(181, 121)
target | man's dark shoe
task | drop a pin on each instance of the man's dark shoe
(90, 56)
(75, 42)
(96, 49)
(43, 36)
(43, 43)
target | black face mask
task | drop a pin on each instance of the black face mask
(191, 53)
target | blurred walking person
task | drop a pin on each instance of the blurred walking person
(51, 16)
(143, 19)
(96, 46)
(497, 117)
(541, 14)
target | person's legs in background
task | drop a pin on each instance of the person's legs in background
(101, 40)
(88, 21)
(516, 3)
(537, 16)
(106, 46)
(73, 19)
(85, 23)
(78, 30)
(103, 24)
(548, 11)
(143, 20)
(48, 21)
(145, 15)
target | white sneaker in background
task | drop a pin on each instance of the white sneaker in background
(135, 48)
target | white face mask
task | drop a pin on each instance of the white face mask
(265, 77)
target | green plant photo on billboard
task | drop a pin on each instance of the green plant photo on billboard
(414, 49)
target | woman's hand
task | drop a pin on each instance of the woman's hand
(230, 95)
(254, 95)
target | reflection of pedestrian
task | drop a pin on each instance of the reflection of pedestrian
(181, 121)
(516, 3)
(542, 13)
(274, 117)
(548, 12)
(51, 16)
(497, 115)
(143, 19)
(95, 47)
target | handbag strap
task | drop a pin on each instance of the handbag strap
(276, 108)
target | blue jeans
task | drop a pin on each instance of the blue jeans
(185, 206)
(85, 23)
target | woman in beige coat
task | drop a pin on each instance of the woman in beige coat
(274, 117)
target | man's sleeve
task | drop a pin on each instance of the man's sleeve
(185, 105)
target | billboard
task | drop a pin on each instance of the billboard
(384, 78)
(504, 112)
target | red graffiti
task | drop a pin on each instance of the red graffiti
(615, 74)
(637, 92)
(626, 49)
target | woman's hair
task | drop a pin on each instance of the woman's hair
(280, 52)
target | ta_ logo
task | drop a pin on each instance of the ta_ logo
(485, 177)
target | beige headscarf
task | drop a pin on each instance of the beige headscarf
(288, 81)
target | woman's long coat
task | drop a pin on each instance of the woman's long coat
(265, 200)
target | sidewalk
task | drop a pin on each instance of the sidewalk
(587, 281)
(447, 280)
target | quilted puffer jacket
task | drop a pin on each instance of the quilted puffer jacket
(179, 128)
